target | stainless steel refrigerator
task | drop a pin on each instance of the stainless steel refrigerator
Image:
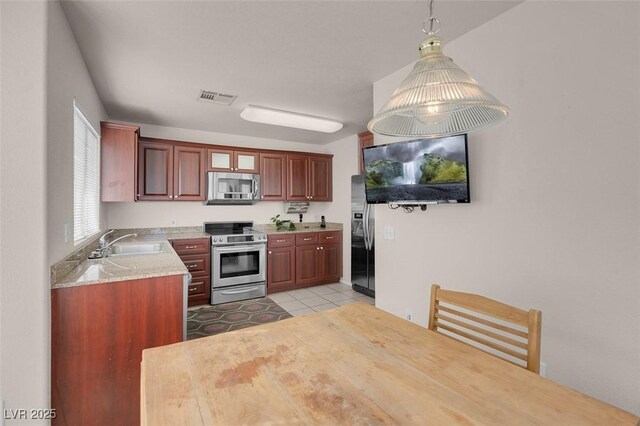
(362, 241)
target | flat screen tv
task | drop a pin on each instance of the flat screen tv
(418, 171)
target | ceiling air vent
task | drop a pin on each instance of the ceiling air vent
(216, 98)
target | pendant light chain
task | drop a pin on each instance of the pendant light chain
(434, 23)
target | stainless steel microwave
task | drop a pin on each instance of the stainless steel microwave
(232, 188)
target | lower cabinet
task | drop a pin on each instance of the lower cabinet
(303, 259)
(196, 256)
(98, 333)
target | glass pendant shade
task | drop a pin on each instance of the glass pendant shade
(437, 99)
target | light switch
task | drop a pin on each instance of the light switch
(389, 233)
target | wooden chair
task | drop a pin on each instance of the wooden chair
(444, 316)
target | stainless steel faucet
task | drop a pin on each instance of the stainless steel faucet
(103, 239)
(104, 246)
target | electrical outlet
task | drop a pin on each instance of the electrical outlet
(543, 369)
(173, 222)
(407, 315)
(389, 233)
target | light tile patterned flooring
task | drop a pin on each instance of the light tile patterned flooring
(318, 298)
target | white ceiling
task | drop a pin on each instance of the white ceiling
(150, 59)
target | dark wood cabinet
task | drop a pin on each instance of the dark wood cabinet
(297, 177)
(309, 178)
(188, 173)
(304, 259)
(136, 168)
(330, 262)
(229, 160)
(169, 172)
(307, 265)
(155, 171)
(98, 333)
(273, 176)
(320, 179)
(196, 256)
(281, 267)
(365, 139)
(118, 155)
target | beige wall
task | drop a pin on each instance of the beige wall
(192, 213)
(24, 284)
(553, 221)
(67, 78)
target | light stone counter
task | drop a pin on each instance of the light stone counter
(300, 227)
(77, 270)
(125, 267)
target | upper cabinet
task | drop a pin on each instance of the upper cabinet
(168, 172)
(118, 161)
(223, 160)
(138, 168)
(188, 173)
(273, 176)
(309, 178)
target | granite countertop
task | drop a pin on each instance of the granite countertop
(125, 267)
(300, 227)
(77, 270)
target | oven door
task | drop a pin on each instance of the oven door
(238, 264)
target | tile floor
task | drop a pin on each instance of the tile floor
(318, 298)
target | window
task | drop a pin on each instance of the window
(86, 177)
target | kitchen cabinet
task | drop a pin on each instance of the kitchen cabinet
(118, 152)
(168, 172)
(196, 256)
(226, 160)
(273, 176)
(298, 260)
(98, 333)
(188, 173)
(309, 178)
(365, 139)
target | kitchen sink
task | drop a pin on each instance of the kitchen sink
(136, 249)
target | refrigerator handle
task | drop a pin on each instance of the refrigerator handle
(369, 230)
(365, 225)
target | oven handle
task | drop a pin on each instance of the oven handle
(244, 290)
(238, 248)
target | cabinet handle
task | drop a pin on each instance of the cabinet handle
(193, 289)
(177, 196)
(306, 239)
(321, 248)
(269, 251)
(328, 238)
(190, 247)
(280, 241)
(317, 248)
(171, 196)
(192, 266)
(262, 196)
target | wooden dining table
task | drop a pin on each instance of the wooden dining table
(351, 365)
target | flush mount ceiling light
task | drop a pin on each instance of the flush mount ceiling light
(289, 119)
(437, 98)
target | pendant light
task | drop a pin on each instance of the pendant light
(437, 98)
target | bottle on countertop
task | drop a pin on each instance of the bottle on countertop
(300, 216)
(322, 223)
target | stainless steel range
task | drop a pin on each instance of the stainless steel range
(238, 261)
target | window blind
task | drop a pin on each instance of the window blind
(86, 177)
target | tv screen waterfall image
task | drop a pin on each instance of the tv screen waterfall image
(427, 170)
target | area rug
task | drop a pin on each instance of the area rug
(217, 319)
